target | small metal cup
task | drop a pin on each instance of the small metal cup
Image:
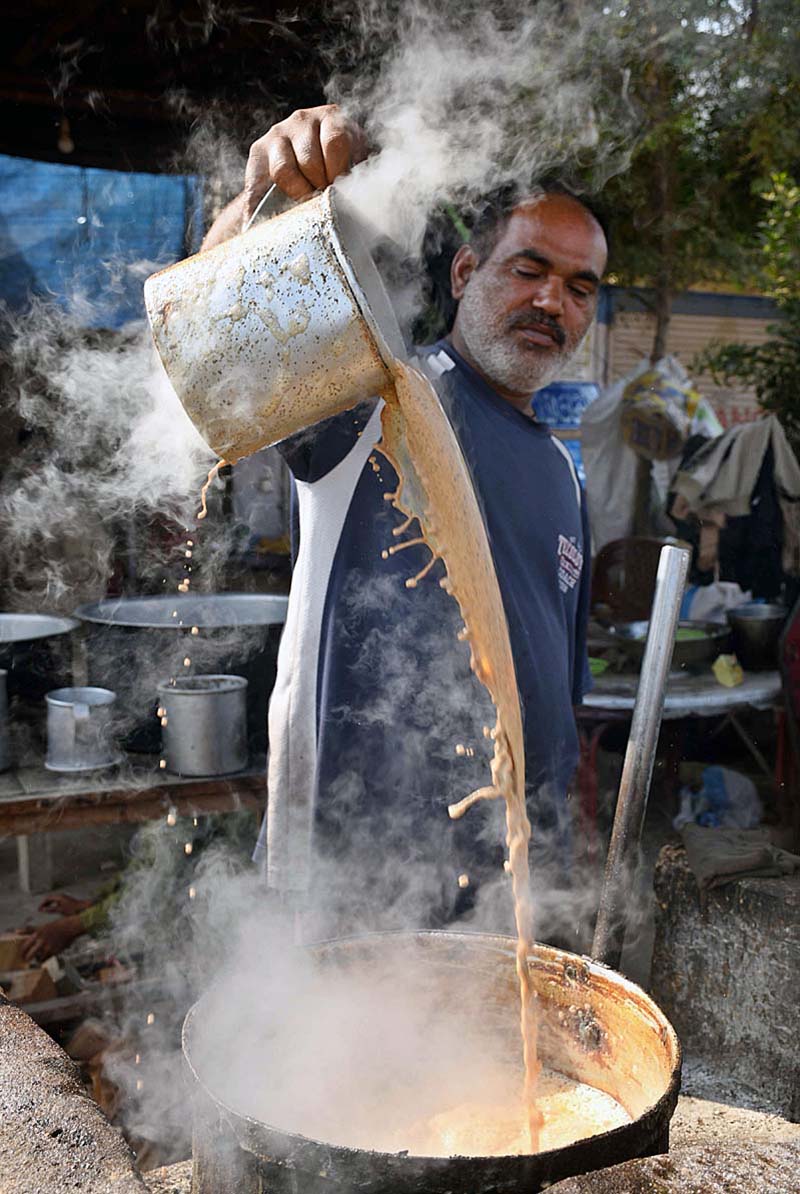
(80, 730)
(204, 725)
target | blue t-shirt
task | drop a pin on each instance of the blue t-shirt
(396, 731)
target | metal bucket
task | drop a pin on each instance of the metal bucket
(80, 729)
(756, 632)
(594, 1026)
(204, 725)
(276, 329)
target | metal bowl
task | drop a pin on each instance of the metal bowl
(632, 636)
(756, 631)
(26, 628)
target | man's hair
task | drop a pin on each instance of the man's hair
(494, 210)
(481, 226)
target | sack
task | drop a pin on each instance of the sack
(661, 409)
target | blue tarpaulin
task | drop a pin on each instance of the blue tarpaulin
(560, 405)
(87, 238)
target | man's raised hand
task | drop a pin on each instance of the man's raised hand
(302, 154)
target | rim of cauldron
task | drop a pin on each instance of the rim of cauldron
(371, 1168)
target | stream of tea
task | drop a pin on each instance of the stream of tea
(435, 488)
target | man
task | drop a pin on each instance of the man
(376, 722)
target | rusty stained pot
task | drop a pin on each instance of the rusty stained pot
(595, 1026)
(276, 329)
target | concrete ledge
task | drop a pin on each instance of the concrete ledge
(53, 1138)
(726, 976)
(705, 1169)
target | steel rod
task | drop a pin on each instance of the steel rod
(637, 770)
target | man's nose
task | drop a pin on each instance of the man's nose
(550, 296)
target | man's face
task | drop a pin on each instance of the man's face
(525, 308)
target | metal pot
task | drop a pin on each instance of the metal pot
(594, 1026)
(36, 649)
(276, 329)
(80, 729)
(631, 637)
(756, 633)
(135, 642)
(206, 725)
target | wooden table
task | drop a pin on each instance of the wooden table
(34, 802)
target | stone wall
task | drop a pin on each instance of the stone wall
(726, 975)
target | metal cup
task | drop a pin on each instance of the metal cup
(80, 730)
(204, 725)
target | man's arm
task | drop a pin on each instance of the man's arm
(228, 223)
(301, 155)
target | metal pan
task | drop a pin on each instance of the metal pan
(631, 638)
(36, 650)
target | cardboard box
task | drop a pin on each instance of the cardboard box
(31, 986)
(11, 951)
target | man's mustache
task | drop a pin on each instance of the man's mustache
(541, 322)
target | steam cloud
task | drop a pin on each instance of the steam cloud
(463, 99)
(101, 439)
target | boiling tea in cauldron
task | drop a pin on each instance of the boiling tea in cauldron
(405, 1043)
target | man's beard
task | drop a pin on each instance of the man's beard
(493, 347)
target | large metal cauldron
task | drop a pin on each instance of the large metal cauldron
(36, 650)
(133, 643)
(595, 1026)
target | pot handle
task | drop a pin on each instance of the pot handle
(275, 205)
(263, 201)
(80, 721)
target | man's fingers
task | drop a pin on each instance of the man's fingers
(304, 153)
(256, 177)
(344, 144)
(30, 949)
(285, 171)
(336, 143)
(309, 154)
(360, 145)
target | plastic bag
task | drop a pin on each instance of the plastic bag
(727, 799)
(661, 409)
(611, 464)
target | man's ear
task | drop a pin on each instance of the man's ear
(462, 267)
